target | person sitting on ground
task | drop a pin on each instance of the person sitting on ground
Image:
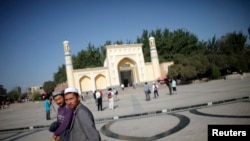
(64, 116)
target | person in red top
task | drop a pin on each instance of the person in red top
(111, 99)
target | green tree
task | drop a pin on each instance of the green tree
(89, 58)
(108, 43)
(183, 42)
(232, 43)
(201, 65)
(36, 96)
(191, 67)
(48, 87)
(102, 54)
(118, 42)
(165, 48)
(212, 45)
(222, 61)
(174, 70)
(145, 45)
(60, 76)
(241, 63)
(215, 72)
(13, 95)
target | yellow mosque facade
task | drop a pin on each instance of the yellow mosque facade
(124, 64)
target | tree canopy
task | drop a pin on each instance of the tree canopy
(48, 87)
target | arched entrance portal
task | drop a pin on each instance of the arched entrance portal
(127, 71)
(85, 82)
(100, 82)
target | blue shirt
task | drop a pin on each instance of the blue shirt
(46, 105)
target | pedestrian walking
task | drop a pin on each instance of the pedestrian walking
(47, 107)
(174, 86)
(83, 97)
(115, 91)
(122, 86)
(155, 89)
(94, 95)
(111, 99)
(82, 126)
(99, 100)
(147, 91)
(134, 85)
(168, 82)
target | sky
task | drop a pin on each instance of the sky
(32, 31)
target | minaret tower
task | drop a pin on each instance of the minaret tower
(68, 64)
(154, 58)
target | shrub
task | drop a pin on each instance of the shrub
(36, 96)
(215, 72)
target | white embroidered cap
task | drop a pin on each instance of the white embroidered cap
(70, 90)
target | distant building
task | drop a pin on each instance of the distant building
(3, 93)
(34, 89)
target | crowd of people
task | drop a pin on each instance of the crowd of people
(171, 83)
(111, 96)
(4, 104)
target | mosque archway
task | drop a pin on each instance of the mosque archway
(100, 82)
(85, 83)
(127, 69)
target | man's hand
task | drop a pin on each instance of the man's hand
(56, 138)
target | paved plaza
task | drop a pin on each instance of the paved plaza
(184, 116)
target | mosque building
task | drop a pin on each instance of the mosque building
(124, 64)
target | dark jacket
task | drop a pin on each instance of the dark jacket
(83, 126)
